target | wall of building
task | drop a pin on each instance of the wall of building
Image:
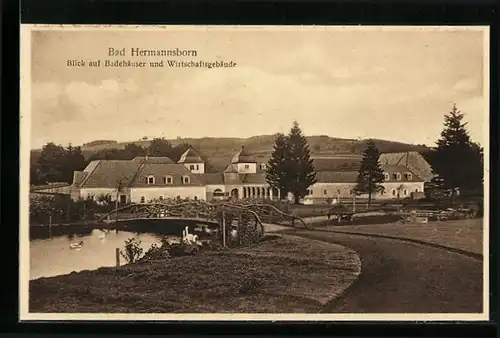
(95, 192)
(199, 168)
(211, 188)
(391, 189)
(242, 168)
(345, 190)
(331, 190)
(150, 193)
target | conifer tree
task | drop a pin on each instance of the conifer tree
(370, 174)
(301, 171)
(457, 160)
(277, 169)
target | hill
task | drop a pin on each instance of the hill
(220, 150)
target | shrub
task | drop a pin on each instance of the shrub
(133, 250)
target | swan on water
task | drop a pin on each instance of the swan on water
(76, 245)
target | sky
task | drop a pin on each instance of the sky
(393, 84)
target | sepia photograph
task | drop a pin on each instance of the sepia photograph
(299, 173)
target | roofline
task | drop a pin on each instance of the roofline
(85, 179)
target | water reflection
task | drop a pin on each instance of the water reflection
(56, 256)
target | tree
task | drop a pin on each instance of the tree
(74, 161)
(301, 172)
(277, 169)
(131, 151)
(159, 147)
(456, 159)
(370, 174)
(50, 165)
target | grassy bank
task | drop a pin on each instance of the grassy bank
(279, 275)
(466, 234)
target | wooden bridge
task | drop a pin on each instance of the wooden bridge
(211, 214)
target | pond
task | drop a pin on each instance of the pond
(53, 256)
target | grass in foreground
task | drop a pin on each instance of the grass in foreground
(464, 234)
(283, 275)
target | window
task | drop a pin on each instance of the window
(168, 180)
(309, 191)
(405, 192)
(338, 191)
(197, 167)
(143, 199)
(397, 176)
(324, 192)
(416, 190)
(185, 179)
(263, 166)
(247, 166)
(191, 167)
(393, 192)
(123, 199)
(408, 176)
(150, 180)
(386, 176)
(351, 192)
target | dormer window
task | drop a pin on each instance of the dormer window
(191, 167)
(197, 167)
(263, 166)
(168, 180)
(185, 179)
(386, 176)
(150, 180)
(397, 176)
(408, 176)
(247, 166)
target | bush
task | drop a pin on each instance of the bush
(133, 250)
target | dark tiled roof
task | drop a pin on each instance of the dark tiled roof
(150, 159)
(191, 155)
(159, 171)
(327, 164)
(107, 173)
(242, 156)
(351, 176)
(336, 176)
(78, 177)
(210, 178)
(231, 168)
(255, 178)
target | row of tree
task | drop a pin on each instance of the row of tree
(457, 162)
(57, 163)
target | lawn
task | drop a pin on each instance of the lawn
(284, 274)
(466, 234)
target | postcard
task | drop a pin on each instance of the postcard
(267, 173)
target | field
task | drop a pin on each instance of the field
(283, 274)
(464, 234)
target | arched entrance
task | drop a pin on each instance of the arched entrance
(234, 193)
(275, 193)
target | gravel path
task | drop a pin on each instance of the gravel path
(401, 277)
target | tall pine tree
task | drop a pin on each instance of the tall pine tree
(456, 159)
(370, 175)
(301, 174)
(278, 167)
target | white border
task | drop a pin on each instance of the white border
(25, 132)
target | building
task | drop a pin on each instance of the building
(340, 185)
(145, 179)
(412, 160)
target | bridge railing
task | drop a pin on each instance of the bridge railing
(199, 209)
